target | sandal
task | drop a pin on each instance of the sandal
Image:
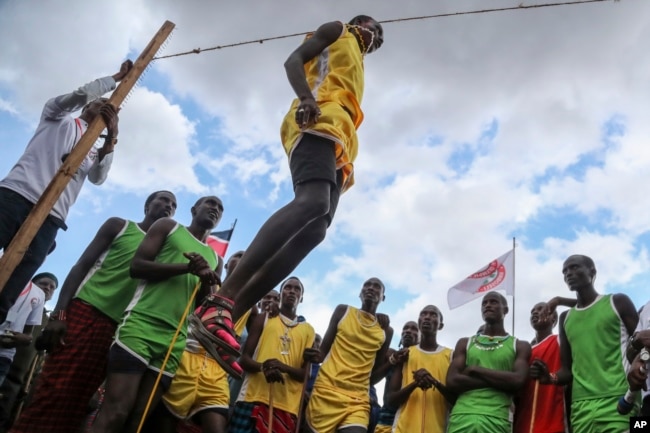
(212, 323)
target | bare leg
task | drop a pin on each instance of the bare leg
(119, 398)
(161, 421)
(144, 392)
(212, 422)
(312, 201)
(280, 265)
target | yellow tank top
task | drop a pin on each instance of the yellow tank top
(286, 341)
(349, 363)
(335, 78)
(240, 325)
(409, 416)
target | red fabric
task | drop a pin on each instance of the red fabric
(283, 422)
(71, 374)
(549, 413)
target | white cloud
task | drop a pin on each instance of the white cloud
(549, 79)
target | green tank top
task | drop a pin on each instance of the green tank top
(157, 306)
(496, 353)
(108, 285)
(597, 335)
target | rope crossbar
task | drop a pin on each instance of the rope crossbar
(519, 7)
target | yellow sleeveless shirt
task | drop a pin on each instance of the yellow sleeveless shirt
(335, 78)
(349, 363)
(285, 341)
(409, 416)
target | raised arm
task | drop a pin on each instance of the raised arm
(144, 264)
(60, 106)
(325, 36)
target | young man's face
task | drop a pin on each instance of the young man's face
(372, 290)
(429, 320)
(576, 273)
(492, 308)
(270, 299)
(291, 293)
(163, 205)
(47, 285)
(539, 319)
(208, 211)
(410, 334)
(373, 37)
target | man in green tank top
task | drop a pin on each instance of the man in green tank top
(171, 262)
(592, 350)
(82, 325)
(486, 370)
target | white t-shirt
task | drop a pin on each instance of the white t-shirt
(28, 310)
(55, 137)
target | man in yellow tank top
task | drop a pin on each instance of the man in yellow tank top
(418, 388)
(353, 353)
(273, 359)
(319, 136)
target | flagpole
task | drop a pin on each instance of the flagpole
(233, 225)
(514, 266)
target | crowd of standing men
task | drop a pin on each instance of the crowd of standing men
(146, 337)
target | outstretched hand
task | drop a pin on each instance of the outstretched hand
(125, 67)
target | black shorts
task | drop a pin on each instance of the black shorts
(122, 361)
(312, 159)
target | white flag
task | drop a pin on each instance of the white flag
(498, 274)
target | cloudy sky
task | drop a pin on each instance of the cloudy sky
(528, 124)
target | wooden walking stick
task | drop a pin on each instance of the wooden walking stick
(270, 430)
(20, 243)
(424, 409)
(532, 416)
(28, 384)
(302, 396)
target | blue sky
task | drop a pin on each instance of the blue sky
(477, 129)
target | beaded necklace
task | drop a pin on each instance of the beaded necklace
(364, 48)
(488, 342)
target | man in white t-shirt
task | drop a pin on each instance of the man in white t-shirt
(26, 313)
(56, 136)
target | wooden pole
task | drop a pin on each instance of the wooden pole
(20, 243)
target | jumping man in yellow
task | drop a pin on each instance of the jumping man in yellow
(319, 136)
(273, 359)
(351, 348)
(418, 388)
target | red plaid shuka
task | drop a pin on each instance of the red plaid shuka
(71, 373)
(283, 421)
